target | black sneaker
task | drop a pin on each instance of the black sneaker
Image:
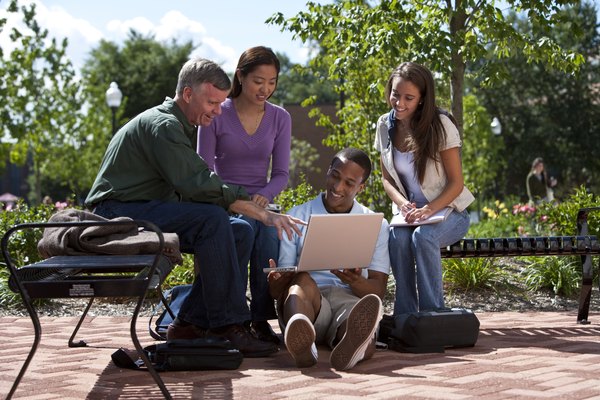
(183, 330)
(245, 342)
(263, 331)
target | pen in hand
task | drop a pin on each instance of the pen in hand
(411, 205)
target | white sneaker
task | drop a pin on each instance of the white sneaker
(361, 325)
(299, 338)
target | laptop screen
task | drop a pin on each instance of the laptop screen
(338, 241)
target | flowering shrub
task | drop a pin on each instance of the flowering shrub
(23, 244)
(530, 220)
(61, 205)
(560, 274)
(524, 209)
(499, 220)
(496, 211)
(560, 218)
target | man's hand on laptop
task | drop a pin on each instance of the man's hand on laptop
(278, 281)
(284, 223)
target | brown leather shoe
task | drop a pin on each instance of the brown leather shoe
(245, 342)
(263, 331)
(176, 330)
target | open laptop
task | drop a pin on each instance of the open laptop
(337, 241)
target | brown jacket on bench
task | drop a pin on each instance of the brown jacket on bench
(106, 239)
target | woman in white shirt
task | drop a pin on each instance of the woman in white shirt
(422, 174)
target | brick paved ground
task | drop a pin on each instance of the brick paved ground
(537, 355)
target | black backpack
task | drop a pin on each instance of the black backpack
(429, 331)
(175, 298)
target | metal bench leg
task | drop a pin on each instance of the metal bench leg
(81, 343)
(142, 353)
(37, 329)
(586, 268)
(586, 290)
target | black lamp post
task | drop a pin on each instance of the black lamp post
(496, 127)
(113, 99)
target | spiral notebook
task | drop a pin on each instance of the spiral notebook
(337, 241)
(398, 219)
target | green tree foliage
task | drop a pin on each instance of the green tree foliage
(146, 71)
(361, 42)
(552, 114)
(302, 161)
(294, 196)
(357, 37)
(561, 218)
(297, 83)
(4, 141)
(40, 110)
(483, 154)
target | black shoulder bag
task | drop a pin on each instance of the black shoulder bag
(429, 331)
(185, 355)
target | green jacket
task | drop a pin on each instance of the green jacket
(153, 157)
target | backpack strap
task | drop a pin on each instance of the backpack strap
(122, 359)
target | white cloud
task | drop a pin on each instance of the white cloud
(175, 25)
(63, 24)
(81, 35)
(213, 49)
(119, 29)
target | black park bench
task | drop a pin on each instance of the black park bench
(87, 276)
(583, 245)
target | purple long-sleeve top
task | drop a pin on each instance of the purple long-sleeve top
(244, 159)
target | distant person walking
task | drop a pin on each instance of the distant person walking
(539, 186)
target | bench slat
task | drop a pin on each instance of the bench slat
(523, 246)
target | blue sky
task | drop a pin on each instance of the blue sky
(223, 29)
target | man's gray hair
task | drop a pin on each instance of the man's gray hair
(200, 70)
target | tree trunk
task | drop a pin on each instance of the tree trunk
(457, 76)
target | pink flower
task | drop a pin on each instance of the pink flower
(60, 205)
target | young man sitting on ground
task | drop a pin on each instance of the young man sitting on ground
(339, 308)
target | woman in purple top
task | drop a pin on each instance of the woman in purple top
(249, 145)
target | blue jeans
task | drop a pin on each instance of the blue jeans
(417, 264)
(266, 246)
(221, 245)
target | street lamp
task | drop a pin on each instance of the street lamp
(497, 131)
(496, 126)
(113, 99)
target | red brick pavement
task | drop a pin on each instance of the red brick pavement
(537, 355)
